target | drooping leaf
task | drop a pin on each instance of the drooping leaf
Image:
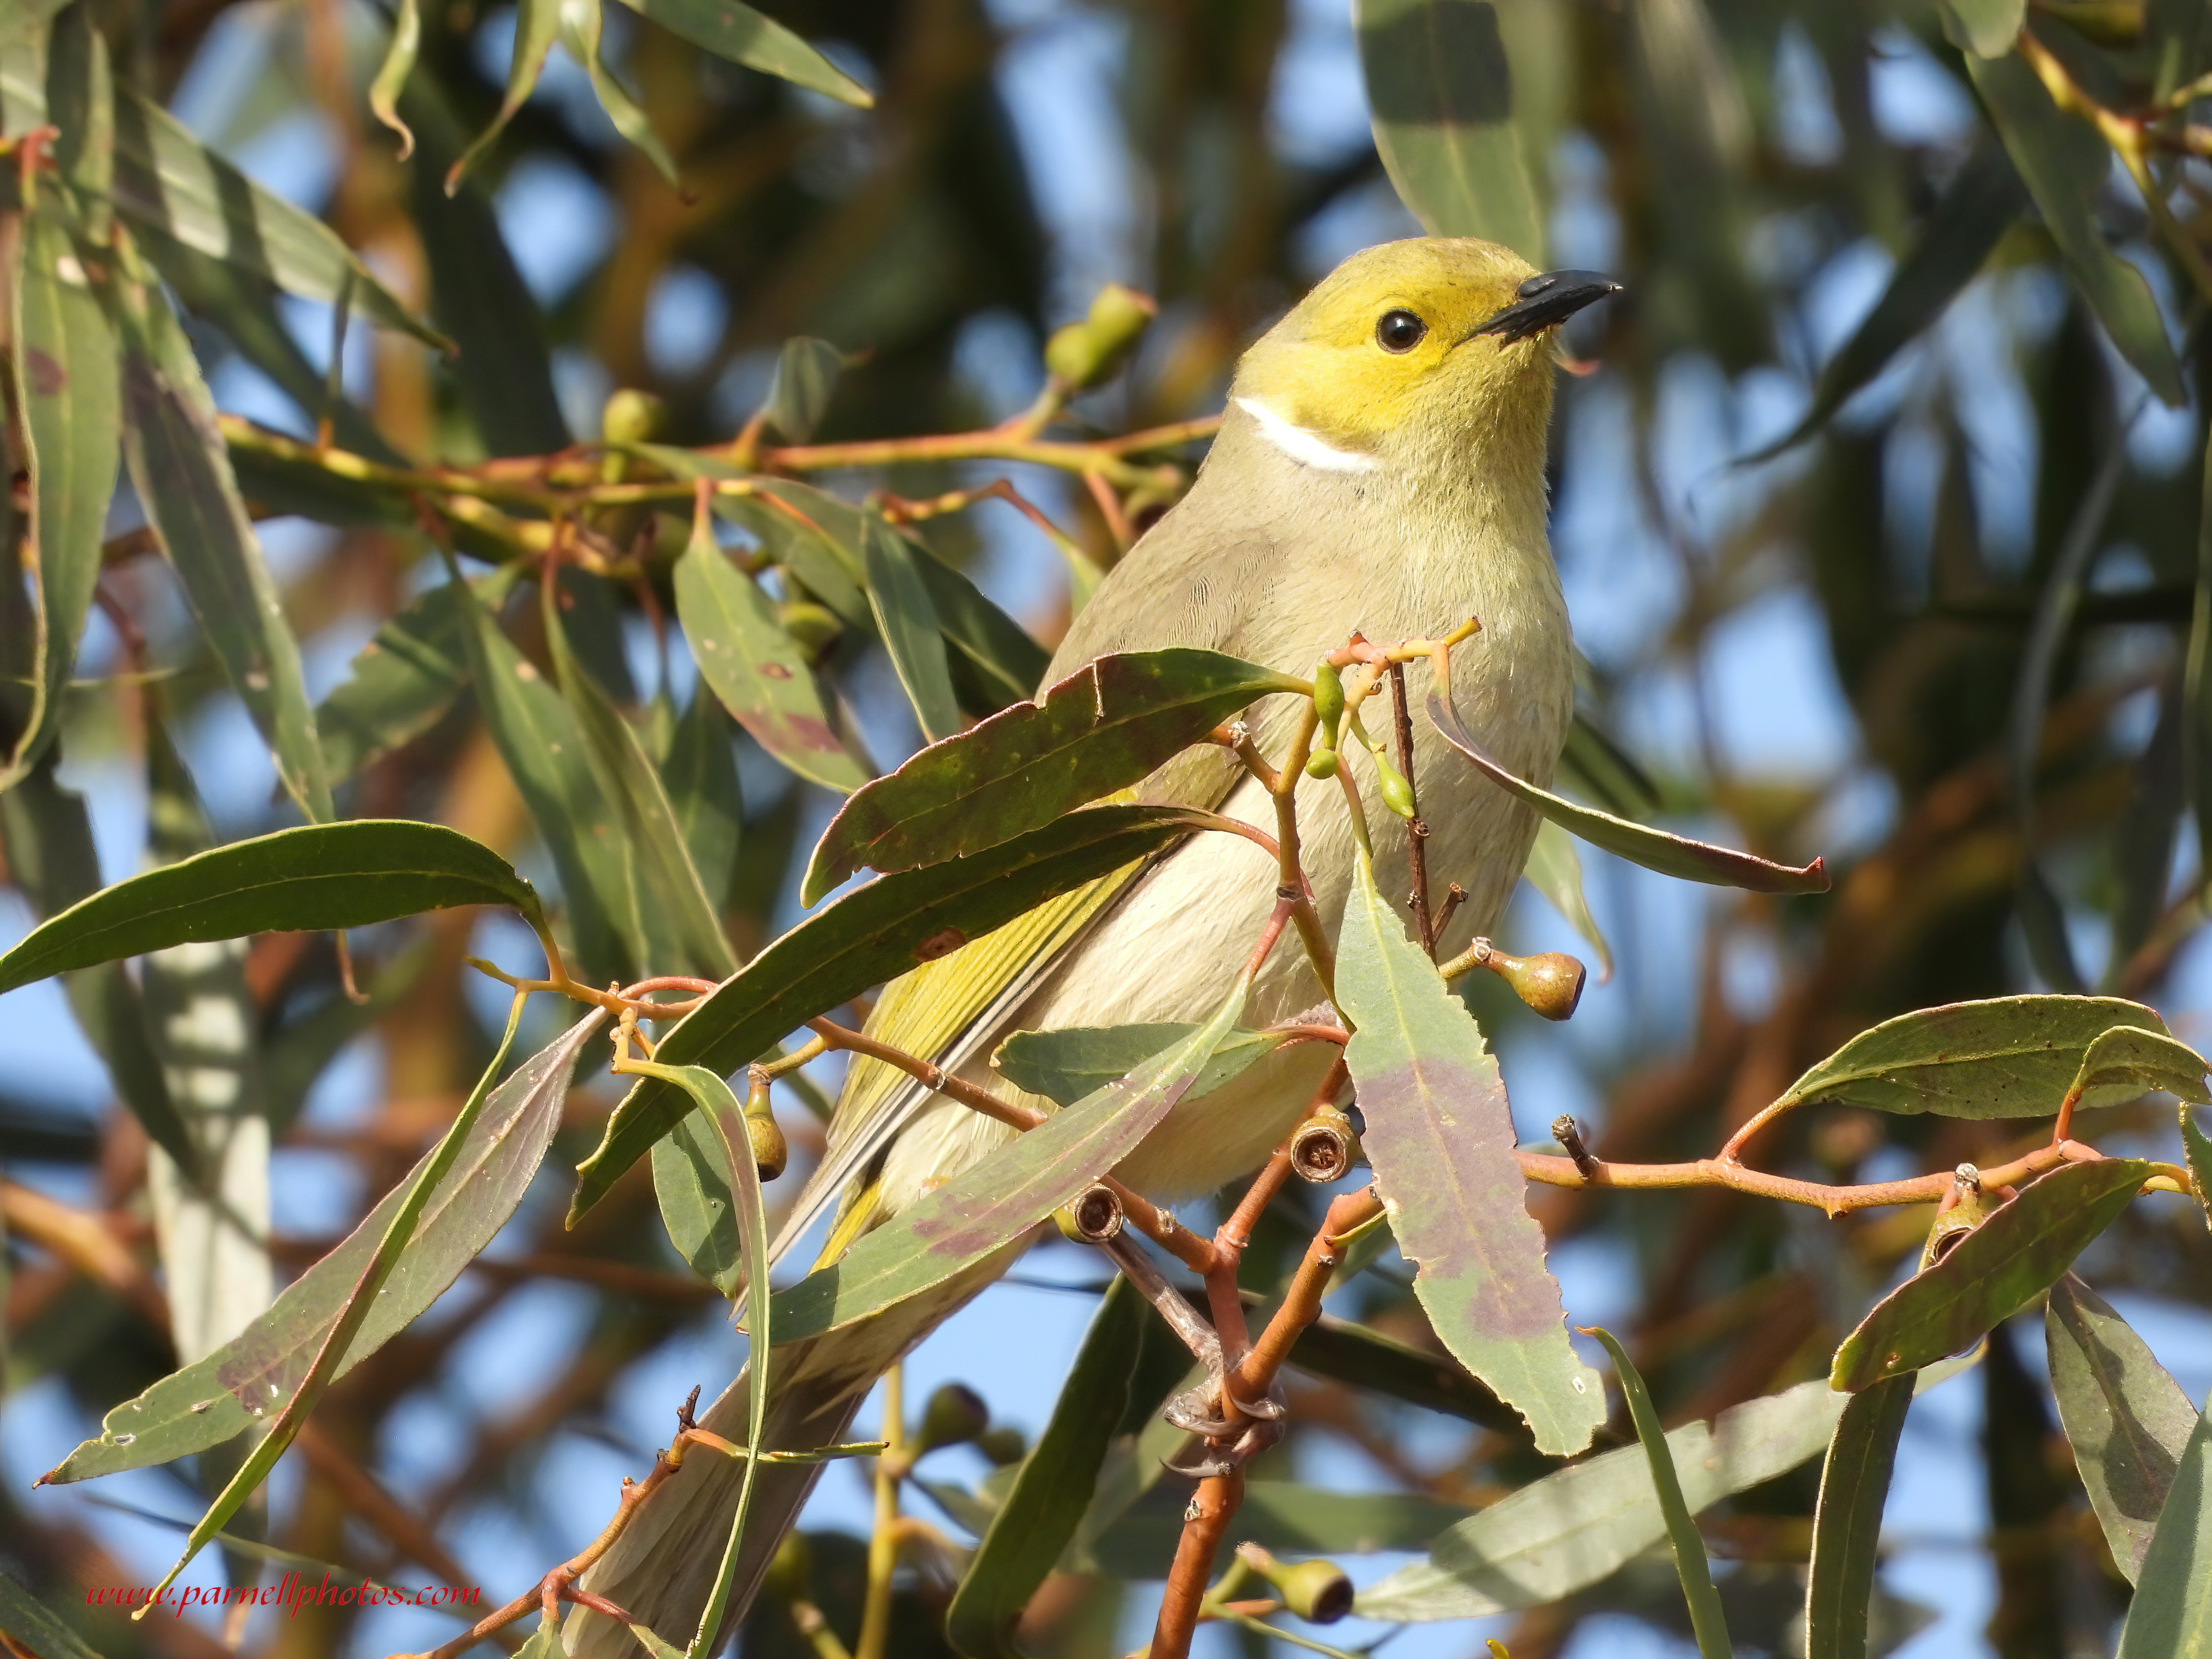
(232, 1389)
(958, 1224)
(537, 25)
(47, 834)
(537, 737)
(691, 1183)
(1571, 1528)
(2064, 163)
(2004, 1057)
(730, 29)
(1706, 1620)
(504, 370)
(181, 471)
(805, 375)
(24, 1620)
(1654, 849)
(994, 662)
(868, 936)
(909, 624)
(680, 929)
(1990, 1274)
(756, 668)
(1983, 201)
(2127, 1420)
(581, 28)
(318, 876)
(1039, 1514)
(2171, 1614)
(1555, 870)
(1104, 728)
(1065, 1065)
(2143, 841)
(1440, 87)
(63, 363)
(1282, 1516)
(700, 772)
(1847, 1521)
(165, 178)
(715, 1105)
(392, 75)
(1440, 1138)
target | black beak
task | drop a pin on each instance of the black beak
(1546, 301)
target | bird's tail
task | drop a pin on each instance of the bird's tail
(661, 1568)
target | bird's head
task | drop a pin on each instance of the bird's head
(1432, 349)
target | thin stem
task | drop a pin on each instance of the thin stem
(1417, 832)
(1205, 1524)
(883, 1541)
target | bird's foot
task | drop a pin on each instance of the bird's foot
(1225, 1443)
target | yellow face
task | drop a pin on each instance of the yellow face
(1387, 351)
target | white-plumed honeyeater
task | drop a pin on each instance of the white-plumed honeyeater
(1380, 469)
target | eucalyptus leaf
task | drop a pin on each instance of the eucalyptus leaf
(868, 937)
(536, 26)
(1555, 870)
(2197, 1146)
(691, 1182)
(1075, 1061)
(1847, 1520)
(1654, 849)
(1992, 1273)
(2127, 1420)
(908, 622)
(730, 29)
(2170, 1616)
(968, 1217)
(392, 74)
(699, 772)
(319, 876)
(488, 1171)
(805, 375)
(1103, 728)
(1440, 1136)
(582, 25)
(24, 1620)
(402, 681)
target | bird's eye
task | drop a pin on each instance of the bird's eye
(1400, 331)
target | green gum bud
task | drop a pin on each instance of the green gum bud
(791, 1574)
(812, 627)
(1083, 354)
(953, 1417)
(1002, 1445)
(1397, 793)
(1322, 764)
(631, 417)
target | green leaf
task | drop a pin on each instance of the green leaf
(2197, 1147)
(486, 1173)
(1065, 1065)
(2127, 1420)
(1706, 1619)
(1992, 1273)
(2005, 1057)
(1555, 870)
(909, 624)
(1037, 1519)
(165, 178)
(41, 1635)
(1987, 28)
(1105, 727)
(1594, 763)
(1364, 1359)
(756, 669)
(691, 1183)
(403, 681)
(2065, 163)
(736, 32)
(581, 28)
(392, 75)
(48, 836)
(1847, 1522)
(1440, 1138)
(537, 737)
(2171, 1614)
(1654, 849)
(537, 25)
(717, 1106)
(680, 931)
(866, 938)
(958, 1224)
(1576, 1526)
(700, 772)
(63, 363)
(1282, 1516)
(503, 370)
(318, 876)
(1440, 88)
(805, 375)
(1006, 664)
(181, 471)
(544, 1642)
(1982, 202)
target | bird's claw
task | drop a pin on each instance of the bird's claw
(1258, 1425)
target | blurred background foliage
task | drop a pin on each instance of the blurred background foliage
(1942, 639)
